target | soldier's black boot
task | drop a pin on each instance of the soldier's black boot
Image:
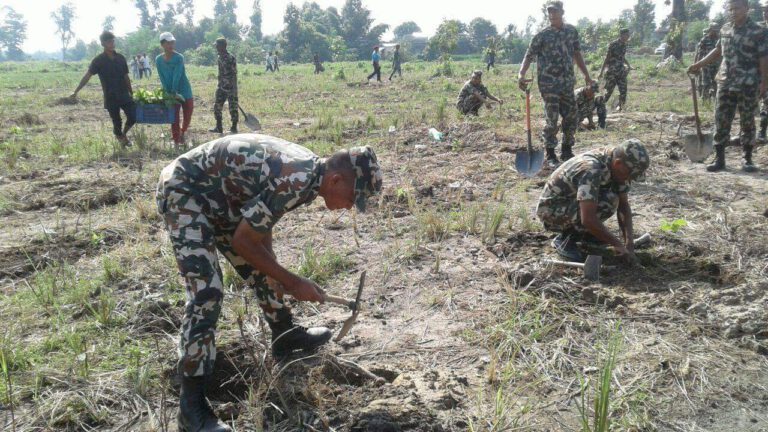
(566, 153)
(218, 128)
(719, 163)
(763, 126)
(552, 160)
(233, 129)
(566, 247)
(748, 166)
(287, 337)
(195, 415)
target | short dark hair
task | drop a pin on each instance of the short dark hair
(106, 36)
(742, 2)
(624, 31)
(341, 163)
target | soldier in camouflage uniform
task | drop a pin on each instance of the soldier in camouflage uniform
(741, 80)
(764, 99)
(227, 90)
(707, 83)
(587, 190)
(586, 103)
(474, 95)
(618, 68)
(226, 196)
(555, 49)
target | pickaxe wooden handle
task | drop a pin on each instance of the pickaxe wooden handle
(341, 301)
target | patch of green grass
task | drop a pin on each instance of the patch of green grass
(324, 266)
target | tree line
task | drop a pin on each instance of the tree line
(350, 33)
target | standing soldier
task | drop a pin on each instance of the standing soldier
(741, 80)
(276, 62)
(227, 195)
(396, 63)
(555, 49)
(227, 90)
(618, 68)
(707, 83)
(491, 56)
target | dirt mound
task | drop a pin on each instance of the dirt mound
(66, 101)
(28, 119)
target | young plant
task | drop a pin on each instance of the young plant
(602, 402)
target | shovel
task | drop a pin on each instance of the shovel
(250, 120)
(698, 147)
(528, 163)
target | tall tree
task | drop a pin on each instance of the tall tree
(63, 17)
(254, 32)
(109, 23)
(168, 18)
(480, 30)
(186, 8)
(225, 11)
(406, 29)
(13, 33)
(145, 19)
(644, 20)
(697, 10)
(356, 22)
(676, 29)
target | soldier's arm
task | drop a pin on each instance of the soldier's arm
(256, 248)
(593, 224)
(624, 215)
(582, 66)
(713, 56)
(763, 75)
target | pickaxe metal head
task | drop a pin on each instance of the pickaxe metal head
(355, 306)
(592, 267)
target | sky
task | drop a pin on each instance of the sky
(426, 13)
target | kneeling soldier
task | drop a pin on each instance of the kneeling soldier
(587, 190)
(474, 95)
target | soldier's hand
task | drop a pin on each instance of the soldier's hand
(523, 83)
(694, 69)
(306, 290)
(627, 256)
(73, 96)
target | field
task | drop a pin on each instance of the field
(465, 324)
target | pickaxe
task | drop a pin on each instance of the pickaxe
(354, 305)
(591, 267)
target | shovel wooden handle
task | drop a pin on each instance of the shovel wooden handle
(696, 108)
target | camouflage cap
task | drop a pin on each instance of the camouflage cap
(477, 73)
(595, 86)
(554, 4)
(635, 157)
(367, 175)
(221, 41)
(715, 26)
(624, 31)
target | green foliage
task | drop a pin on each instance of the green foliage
(674, 226)
(602, 399)
(406, 29)
(445, 41)
(159, 96)
(322, 267)
(13, 33)
(63, 17)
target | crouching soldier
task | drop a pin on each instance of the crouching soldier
(474, 95)
(587, 103)
(226, 196)
(587, 190)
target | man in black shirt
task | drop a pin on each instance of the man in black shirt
(112, 70)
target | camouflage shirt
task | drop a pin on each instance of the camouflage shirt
(705, 46)
(584, 104)
(580, 179)
(253, 177)
(742, 48)
(227, 72)
(469, 89)
(553, 51)
(617, 52)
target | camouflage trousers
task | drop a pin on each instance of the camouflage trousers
(556, 106)
(231, 99)
(566, 216)
(728, 101)
(195, 238)
(613, 79)
(469, 105)
(764, 112)
(708, 86)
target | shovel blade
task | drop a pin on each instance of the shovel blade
(252, 122)
(528, 164)
(698, 150)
